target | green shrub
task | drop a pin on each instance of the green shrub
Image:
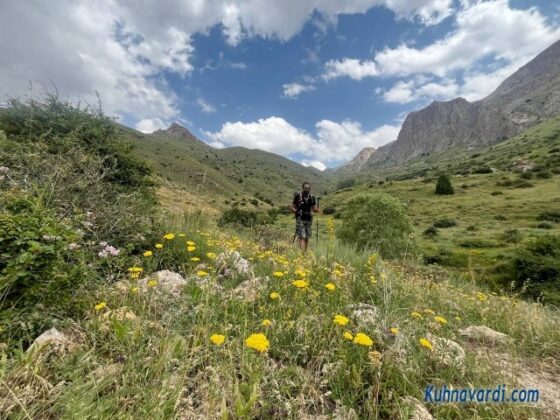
(430, 232)
(482, 170)
(496, 193)
(443, 185)
(511, 236)
(329, 210)
(544, 225)
(550, 216)
(247, 218)
(345, 183)
(378, 221)
(445, 222)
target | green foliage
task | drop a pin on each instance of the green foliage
(443, 185)
(377, 221)
(247, 218)
(430, 232)
(550, 216)
(329, 210)
(346, 183)
(445, 222)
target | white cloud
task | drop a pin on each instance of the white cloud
(413, 90)
(333, 142)
(149, 125)
(205, 106)
(293, 90)
(355, 69)
(315, 164)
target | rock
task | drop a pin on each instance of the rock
(231, 261)
(522, 165)
(52, 336)
(249, 290)
(105, 371)
(419, 412)
(364, 315)
(167, 281)
(484, 334)
(448, 352)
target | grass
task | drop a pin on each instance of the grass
(162, 363)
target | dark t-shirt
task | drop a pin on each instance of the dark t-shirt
(305, 206)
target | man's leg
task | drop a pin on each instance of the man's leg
(302, 244)
(306, 243)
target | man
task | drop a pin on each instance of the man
(303, 206)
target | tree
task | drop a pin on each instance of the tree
(443, 185)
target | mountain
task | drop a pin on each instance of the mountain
(196, 172)
(529, 96)
(359, 160)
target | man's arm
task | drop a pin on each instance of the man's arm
(294, 205)
(315, 205)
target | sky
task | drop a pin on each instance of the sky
(313, 80)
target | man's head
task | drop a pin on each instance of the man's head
(306, 187)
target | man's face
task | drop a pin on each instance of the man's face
(307, 188)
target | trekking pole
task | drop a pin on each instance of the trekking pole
(317, 235)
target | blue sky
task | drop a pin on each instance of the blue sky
(313, 80)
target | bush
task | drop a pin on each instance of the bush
(550, 216)
(443, 185)
(511, 236)
(247, 218)
(377, 221)
(496, 193)
(430, 232)
(445, 222)
(329, 210)
(482, 170)
(345, 183)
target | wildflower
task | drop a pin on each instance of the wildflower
(348, 335)
(424, 342)
(169, 236)
(481, 296)
(373, 279)
(152, 283)
(300, 273)
(330, 286)
(458, 318)
(266, 323)
(159, 246)
(416, 315)
(201, 273)
(190, 243)
(429, 311)
(195, 259)
(274, 295)
(100, 305)
(134, 290)
(191, 248)
(148, 253)
(340, 320)
(441, 320)
(300, 284)
(135, 270)
(217, 339)
(394, 330)
(278, 274)
(363, 340)
(258, 342)
(211, 255)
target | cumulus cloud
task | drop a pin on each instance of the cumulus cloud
(293, 90)
(149, 125)
(333, 142)
(315, 164)
(355, 69)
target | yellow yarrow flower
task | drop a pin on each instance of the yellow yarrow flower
(330, 286)
(266, 323)
(300, 273)
(135, 270)
(300, 284)
(148, 253)
(100, 305)
(441, 320)
(258, 342)
(363, 340)
(201, 273)
(191, 248)
(211, 255)
(218, 339)
(424, 342)
(416, 315)
(152, 283)
(278, 274)
(159, 246)
(191, 243)
(429, 311)
(195, 259)
(394, 330)
(169, 236)
(134, 290)
(481, 296)
(340, 320)
(348, 335)
(274, 295)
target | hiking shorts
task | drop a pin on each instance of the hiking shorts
(303, 228)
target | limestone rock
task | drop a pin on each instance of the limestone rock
(167, 281)
(484, 334)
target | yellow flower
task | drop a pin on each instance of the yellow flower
(266, 323)
(211, 255)
(340, 320)
(159, 246)
(278, 274)
(135, 270)
(152, 283)
(148, 253)
(373, 279)
(195, 259)
(169, 236)
(181, 235)
(191, 248)
(481, 296)
(348, 335)
(134, 290)
(300, 284)
(429, 311)
(274, 295)
(300, 273)
(201, 273)
(191, 243)
(363, 340)
(218, 339)
(458, 318)
(330, 286)
(441, 320)
(394, 330)
(416, 315)
(258, 342)
(424, 342)
(100, 305)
